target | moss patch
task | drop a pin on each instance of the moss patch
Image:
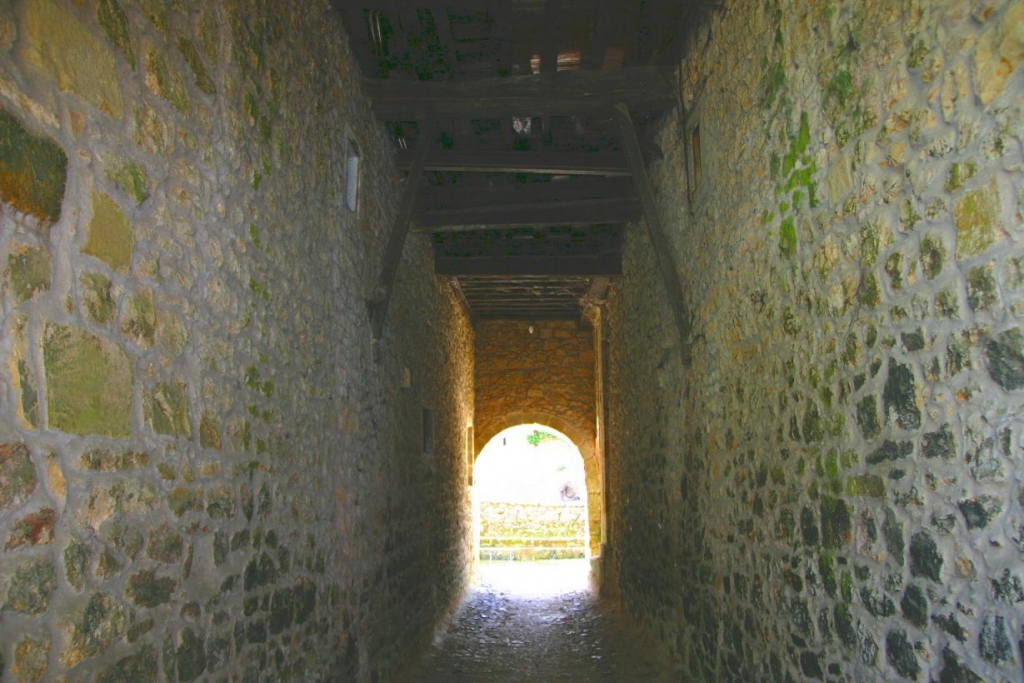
(29, 272)
(132, 178)
(977, 221)
(166, 82)
(167, 409)
(115, 24)
(98, 297)
(140, 319)
(89, 382)
(195, 62)
(33, 170)
(109, 236)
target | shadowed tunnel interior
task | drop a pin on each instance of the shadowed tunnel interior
(272, 274)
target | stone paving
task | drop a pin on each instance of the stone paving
(539, 621)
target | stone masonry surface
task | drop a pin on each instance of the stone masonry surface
(831, 490)
(204, 472)
(540, 372)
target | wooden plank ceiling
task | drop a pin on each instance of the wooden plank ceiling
(526, 187)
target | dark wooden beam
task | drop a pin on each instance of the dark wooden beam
(557, 266)
(527, 315)
(555, 163)
(581, 212)
(593, 59)
(378, 306)
(465, 195)
(659, 241)
(564, 92)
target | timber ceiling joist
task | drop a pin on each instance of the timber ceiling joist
(520, 124)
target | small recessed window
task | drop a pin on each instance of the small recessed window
(698, 163)
(428, 431)
(352, 176)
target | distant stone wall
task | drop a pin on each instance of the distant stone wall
(832, 490)
(531, 520)
(203, 472)
(544, 376)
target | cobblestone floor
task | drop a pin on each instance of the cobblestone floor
(539, 621)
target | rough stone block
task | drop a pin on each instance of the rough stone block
(28, 270)
(146, 590)
(141, 666)
(33, 170)
(140, 320)
(115, 24)
(33, 529)
(99, 624)
(18, 479)
(98, 297)
(32, 586)
(1005, 356)
(31, 659)
(60, 47)
(109, 234)
(89, 383)
(977, 221)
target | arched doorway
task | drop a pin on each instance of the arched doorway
(581, 436)
(530, 496)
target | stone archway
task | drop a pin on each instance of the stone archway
(542, 372)
(581, 437)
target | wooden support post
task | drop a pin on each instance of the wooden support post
(378, 306)
(660, 243)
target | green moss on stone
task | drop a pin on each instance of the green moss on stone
(103, 460)
(98, 297)
(167, 410)
(947, 304)
(866, 485)
(959, 174)
(109, 234)
(76, 563)
(140, 319)
(773, 81)
(195, 62)
(29, 272)
(190, 656)
(31, 659)
(209, 431)
(165, 545)
(870, 291)
(132, 178)
(32, 586)
(981, 288)
(166, 82)
(977, 221)
(89, 382)
(115, 24)
(183, 499)
(146, 590)
(33, 170)
(141, 666)
(787, 237)
(846, 586)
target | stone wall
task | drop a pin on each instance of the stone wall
(540, 372)
(832, 489)
(203, 472)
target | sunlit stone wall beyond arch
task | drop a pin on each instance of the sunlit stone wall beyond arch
(543, 376)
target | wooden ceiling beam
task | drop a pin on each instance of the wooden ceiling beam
(566, 315)
(555, 163)
(563, 92)
(456, 196)
(581, 212)
(605, 265)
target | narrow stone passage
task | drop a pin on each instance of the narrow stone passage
(539, 621)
